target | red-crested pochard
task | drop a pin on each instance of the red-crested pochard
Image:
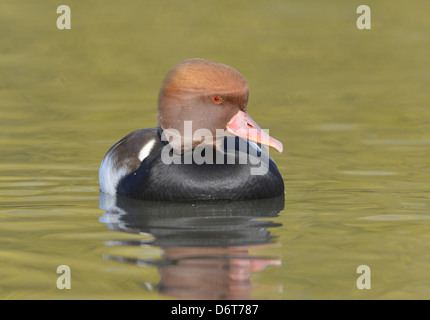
(206, 146)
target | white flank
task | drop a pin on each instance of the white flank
(146, 150)
(109, 175)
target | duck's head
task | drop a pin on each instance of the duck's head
(211, 95)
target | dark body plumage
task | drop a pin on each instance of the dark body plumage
(154, 180)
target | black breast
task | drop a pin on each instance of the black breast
(155, 180)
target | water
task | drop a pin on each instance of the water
(350, 106)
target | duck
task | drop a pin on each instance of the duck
(206, 146)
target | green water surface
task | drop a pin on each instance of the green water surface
(351, 106)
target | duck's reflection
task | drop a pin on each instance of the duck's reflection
(206, 245)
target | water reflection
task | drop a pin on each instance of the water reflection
(206, 245)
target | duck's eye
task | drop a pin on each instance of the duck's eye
(216, 99)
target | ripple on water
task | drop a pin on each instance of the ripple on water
(369, 173)
(336, 126)
(393, 217)
(403, 142)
